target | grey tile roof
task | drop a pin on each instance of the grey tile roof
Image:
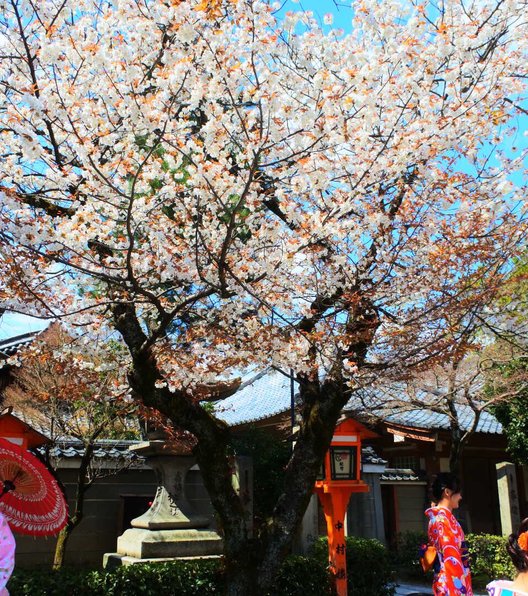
(10, 346)
(69, 447)
(369, 456)
(263, 396)
(369, 404)
(399, 475)
(105, 449)
(41, 425)
(268, 394)
(426, 419)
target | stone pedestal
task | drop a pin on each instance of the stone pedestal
(170, 528)
(508, 497)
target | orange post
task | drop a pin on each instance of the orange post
(341, 478)
(335, 504)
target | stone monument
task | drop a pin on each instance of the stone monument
(170, 529)
(508, 497)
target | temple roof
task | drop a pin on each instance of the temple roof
(399, 475)
(263, 396)
(395, 407)
(10, 346)
(269, 393)
(105, 449)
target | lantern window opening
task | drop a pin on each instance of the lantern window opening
(343, 462)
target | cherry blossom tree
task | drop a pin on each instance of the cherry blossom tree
(222, 189)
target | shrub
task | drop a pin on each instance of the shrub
(299, 576)
(489, 558)
(303, 576)
(367, 561)
(44, 582)
(405, 554)
(177, 578)
(369, 567)
(192, 578)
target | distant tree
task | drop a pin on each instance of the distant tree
(78, 394)
(509, 373)
(511, 377)
(460, 386)
(513, 416)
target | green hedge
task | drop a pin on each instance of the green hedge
(299, 576)
(42, 582)
(369, 566)
(175, 578)
(303, 576)
(489, 559)
(404, 554)
(369, 574)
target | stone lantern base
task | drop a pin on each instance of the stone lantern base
(148, 544)
(145, 546)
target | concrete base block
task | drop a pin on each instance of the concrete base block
(114, 560)
(155, 544)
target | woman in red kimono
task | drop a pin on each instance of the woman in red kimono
(452, 576)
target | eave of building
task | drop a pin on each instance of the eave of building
(10, 346)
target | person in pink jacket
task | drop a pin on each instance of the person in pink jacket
(452, 576)
(7, 554)
(517, 547)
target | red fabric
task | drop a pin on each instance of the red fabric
(35, 505)
(447, 536)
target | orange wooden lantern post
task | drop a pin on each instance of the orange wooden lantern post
(19, 432)
(340, 477)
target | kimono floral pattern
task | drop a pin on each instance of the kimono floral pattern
(7, 554)
(453, 577)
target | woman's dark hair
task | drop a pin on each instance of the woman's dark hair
(518, 556)
(441, 482)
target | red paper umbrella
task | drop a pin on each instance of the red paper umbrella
(31, 498)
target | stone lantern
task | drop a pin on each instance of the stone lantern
(170, 528)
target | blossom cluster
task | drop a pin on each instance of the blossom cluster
(255, 190)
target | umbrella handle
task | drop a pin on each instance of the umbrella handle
(8, 485)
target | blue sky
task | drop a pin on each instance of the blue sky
(12, 324)
(339, 8)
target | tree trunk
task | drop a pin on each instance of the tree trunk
(60, 547)
(454, 453)
(78, 513)
(251, 564)
(455, 449)
(241, 567)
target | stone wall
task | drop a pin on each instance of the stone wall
(365, 514)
